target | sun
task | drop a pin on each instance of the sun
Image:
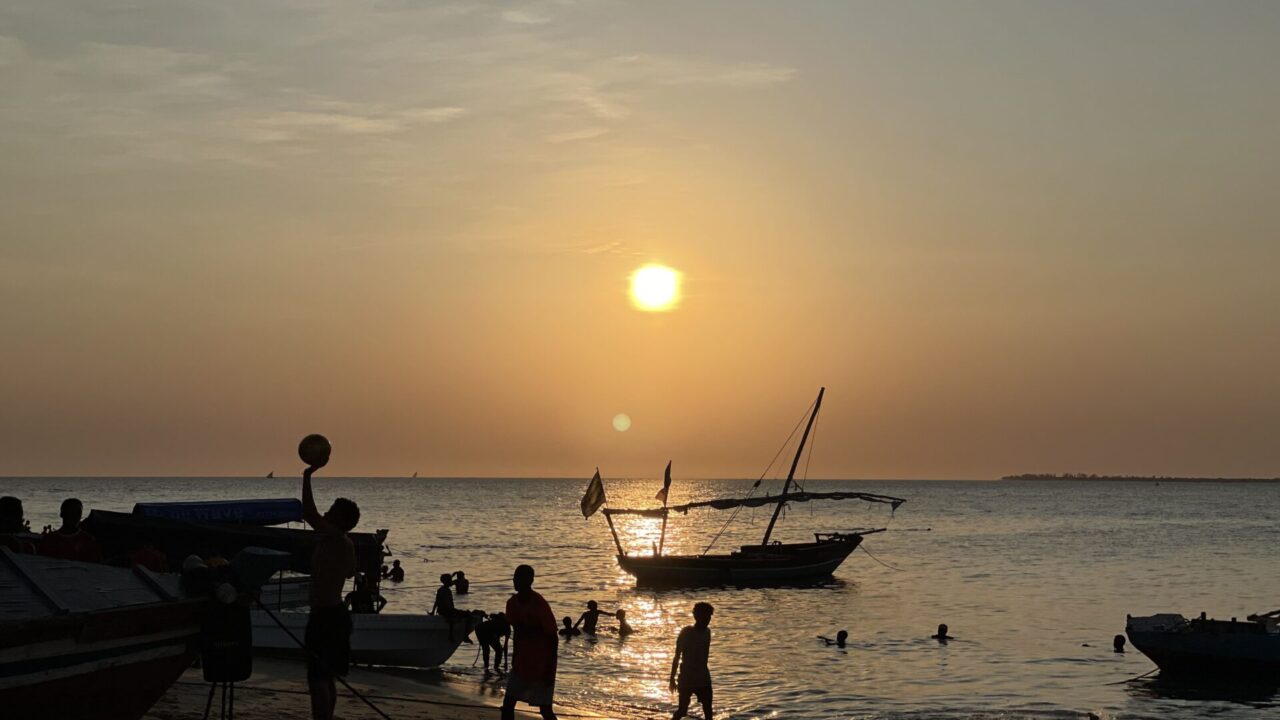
(655, 288)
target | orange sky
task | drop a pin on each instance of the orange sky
(1007, 237)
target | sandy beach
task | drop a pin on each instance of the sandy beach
(278, 690)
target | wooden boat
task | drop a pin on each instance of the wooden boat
(768, 563)
(1206, 648)
(404, 640)
(82, 641)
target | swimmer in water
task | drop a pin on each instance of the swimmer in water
(842, 638)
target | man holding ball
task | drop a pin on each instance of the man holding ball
(328, 637)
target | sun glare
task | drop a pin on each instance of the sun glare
(655, 288)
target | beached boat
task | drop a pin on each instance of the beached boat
(1204, 648)
(768, 563)
(82, 641)
(404, 640)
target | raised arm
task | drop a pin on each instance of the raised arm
(309, 511)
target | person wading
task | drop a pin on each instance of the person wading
(693, 650)
(533, 667)
(328, 636)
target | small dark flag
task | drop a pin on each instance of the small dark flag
(594, 497)
(666, 485)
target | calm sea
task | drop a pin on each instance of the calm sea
(1033, 578)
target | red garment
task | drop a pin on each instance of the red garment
(149, 558)
(79, 545)
(536, 642)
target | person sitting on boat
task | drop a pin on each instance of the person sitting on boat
(328, 635)
(397, 573)
(13, 526)
(693, 650)
(493, 633)
(460, 583)
(533, 669)
(71, 542)
(942, 635)
(589, 618)
(364, 598)
(445, 608)
(624, 629)
(842, 638)
(569, 631)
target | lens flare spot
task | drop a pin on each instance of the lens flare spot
(655, 288)
(622, 422)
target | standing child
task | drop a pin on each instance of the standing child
(693, 649)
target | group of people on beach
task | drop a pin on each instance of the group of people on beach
(527, 618)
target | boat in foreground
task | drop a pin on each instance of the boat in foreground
(768, 563)
(1202, 647)
(397, 639)
(81, 641)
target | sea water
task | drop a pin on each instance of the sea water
(1033, 578)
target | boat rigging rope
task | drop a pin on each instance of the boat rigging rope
(864, 549)
(1135, 677)
(768, 467)
(315, 658)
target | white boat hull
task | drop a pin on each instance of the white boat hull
(405, 640)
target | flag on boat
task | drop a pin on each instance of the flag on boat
(594, 497)
(666, 485)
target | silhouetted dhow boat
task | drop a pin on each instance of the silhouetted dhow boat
(1203, 648)
(769, 563)
(81, 641)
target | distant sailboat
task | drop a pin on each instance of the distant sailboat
(271, 474)
(415, 473)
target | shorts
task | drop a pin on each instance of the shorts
(328, 642)
(702, 692)
(533, 692)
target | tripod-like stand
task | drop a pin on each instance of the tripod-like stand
(228, 711)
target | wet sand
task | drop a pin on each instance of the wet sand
(278, 691)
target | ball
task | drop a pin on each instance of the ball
(314, 450)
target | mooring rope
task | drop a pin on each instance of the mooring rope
(864, 549)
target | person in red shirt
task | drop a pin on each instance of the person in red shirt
(71, 542)
(533, 667)
(12, 525)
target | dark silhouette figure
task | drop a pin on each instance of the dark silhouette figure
(71, 542)
(589, 618)
(460, 583)
(364, 598)
(328, 636)
(533, 670)
(397, 573)
(693, 650)
(1118, 643)
(383, 572)
(494, 633)
(569, 631)
(942, 635)
(841, 640)
(624, 628)
(445, 608)
(12, 523)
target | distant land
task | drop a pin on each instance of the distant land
(1135, 478)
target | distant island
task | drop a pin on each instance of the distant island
(1135, 478)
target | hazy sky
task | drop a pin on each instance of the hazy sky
(1007, 236)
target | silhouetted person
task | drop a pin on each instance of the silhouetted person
(624, 629)
(397, 573)
(942, 635)
(460, 583)
(445, 608)
(71, 542)
(842, 638)
(589, 618)
(12, 524)
(383, 572)
(1118, 643)
(364, 598)
(693, 650)
(493, 634)
(328, 636)
(569, 631)
(533, 670)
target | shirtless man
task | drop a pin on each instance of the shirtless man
(693, 646)
(328, 638)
